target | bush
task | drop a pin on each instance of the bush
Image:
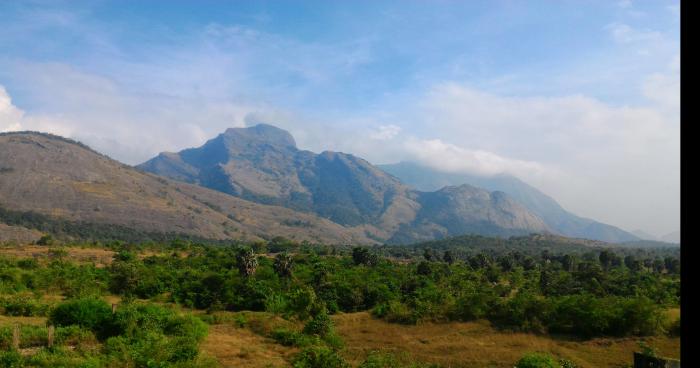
(395, 311)
(11, 359)
(320, 325)
(674, 329)
(319, 357)
(377, 359)
(288, 337)
(537, 360)
(90, 313)
(23, 305)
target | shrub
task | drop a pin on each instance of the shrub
(674, 329)
(378, 359)
(23, 305)
(276, 303)
(395, 311)
(565, 363)
(320, 325)
(11, 359)
(319, 357)
(288, 337)
(93, 314)
(537, 360)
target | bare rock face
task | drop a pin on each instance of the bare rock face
(66, 180)
(263, 164)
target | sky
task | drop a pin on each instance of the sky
(580, 99)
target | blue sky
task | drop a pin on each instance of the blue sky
(578, 98)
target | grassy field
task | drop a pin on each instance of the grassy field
(476, 344)
(472, 344)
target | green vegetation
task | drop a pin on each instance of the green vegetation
(583, 293)
(137, 335)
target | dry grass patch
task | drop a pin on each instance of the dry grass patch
(22, 321)
(100, 256)
(477, 344)
(239, 347)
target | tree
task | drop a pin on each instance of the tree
(529, 263)
(448, 257)
(659, 265)
(480, 260)
(672, 265)
(45, 240)
(247, 262)
(545, 280)
(362, 256)
(568, 262)
(605, 259)
(427, 254)
(507, 262)
(424, 268)
(283, 265)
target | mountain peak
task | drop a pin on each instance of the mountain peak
(262, 133)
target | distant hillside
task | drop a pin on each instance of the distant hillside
(673, 237)
(263, 164)
(554, 216)
(649, 244)
(48, 181)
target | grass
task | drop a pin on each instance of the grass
(101, 257)
(477, 344)
(239, 340)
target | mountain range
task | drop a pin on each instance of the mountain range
(254, 183)
(263, 164)
(554, 216)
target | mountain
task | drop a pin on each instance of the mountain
(643, 235)
(554, 216)
(263, 164)
(672, 237)
(464, 209)
(49, 179)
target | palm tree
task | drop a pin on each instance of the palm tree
(283, 265)
(247, 262)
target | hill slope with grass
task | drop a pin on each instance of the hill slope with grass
(52, 183)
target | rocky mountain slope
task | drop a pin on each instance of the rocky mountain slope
(65, 180)
(554, 216)
(263, 164)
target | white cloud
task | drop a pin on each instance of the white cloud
(10, 116)
(385, 132)
(625, 34)
(127, 126)
(664, 89)
(617, 164)
(451, 158)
